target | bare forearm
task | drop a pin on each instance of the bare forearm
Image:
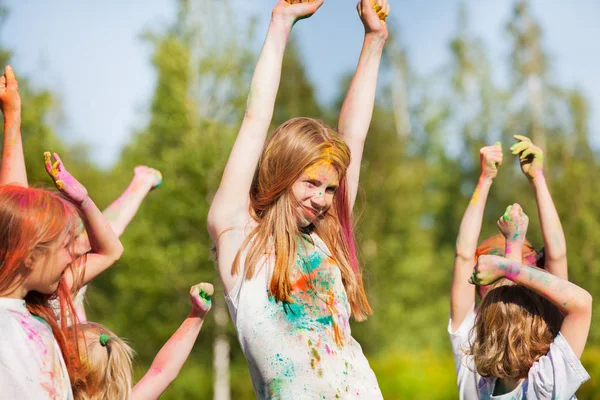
(121, 211)
(514, 250)
(102, 238)
(13, 162)
(470, 226)
(555, 245)
(267, 75)
(169, 360)
(357, 110)
(568, 297)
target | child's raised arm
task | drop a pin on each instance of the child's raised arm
(531, 158)
(121, 211)
(174, 353)
(230, 206)
(513, 226)
(462, 296)
(357, 109)
(105, 245)
(13, 162)
(574, 302)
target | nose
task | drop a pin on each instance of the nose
(318, 200)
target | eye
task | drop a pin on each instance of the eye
(313, 183)
(332, 189)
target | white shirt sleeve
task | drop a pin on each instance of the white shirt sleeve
(558, 374)
(466, 377)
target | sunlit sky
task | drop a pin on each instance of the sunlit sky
(90, 53)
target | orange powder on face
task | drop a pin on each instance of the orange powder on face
(319, 169)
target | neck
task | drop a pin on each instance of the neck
(19, 293)
(506, 385)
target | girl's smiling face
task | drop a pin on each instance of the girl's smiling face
(314, 191)
(48, 269)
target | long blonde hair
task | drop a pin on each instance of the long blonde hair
(514, 327)
(106, 366)
(294, 146)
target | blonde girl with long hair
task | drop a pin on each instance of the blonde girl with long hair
(107, 360)
(37, 235)
(519, 349)
(510, 243)
(281, 223)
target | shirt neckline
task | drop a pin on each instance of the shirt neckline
(8, 303)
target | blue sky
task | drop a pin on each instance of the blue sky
(91, 56)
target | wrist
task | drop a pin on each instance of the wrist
(485, 180)
(375, 38)
(197, 314)
(537, 178)
(83, 204)
(12, 118)
(282, 22)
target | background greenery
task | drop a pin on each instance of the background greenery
(420, 168)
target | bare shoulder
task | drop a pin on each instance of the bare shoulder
(228, 244)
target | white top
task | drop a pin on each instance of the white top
(557, 375)
(301, 350)
(31, 363)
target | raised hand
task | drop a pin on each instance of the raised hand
(64, 181)
(513, 224)
(373, 14)
(148, 175)
(531, 157)
(294, 10)
(200, 297)
(489, 269)
(10, 101)
(491, 159)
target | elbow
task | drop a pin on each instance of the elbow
(586, 301)
(557, 256)
(163, 375)
(583, 302)
(257, 116)
(117, 252)
(464, 254)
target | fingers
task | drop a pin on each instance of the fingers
(204, 290)
(526, 153)
(48, 162)
(11, 81)
(58, 165)
(507, 214)
(206, 287)
(519, 147)
(522, 138)
(384, 11)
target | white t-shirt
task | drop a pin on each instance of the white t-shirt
(31, 363)
(557, 375)
(302, 350)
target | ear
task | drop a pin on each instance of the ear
(30, 260)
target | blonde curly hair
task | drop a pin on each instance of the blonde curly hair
(514, 327)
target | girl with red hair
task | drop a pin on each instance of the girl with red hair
(281, 223)
(37, 232)
(119, 214)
